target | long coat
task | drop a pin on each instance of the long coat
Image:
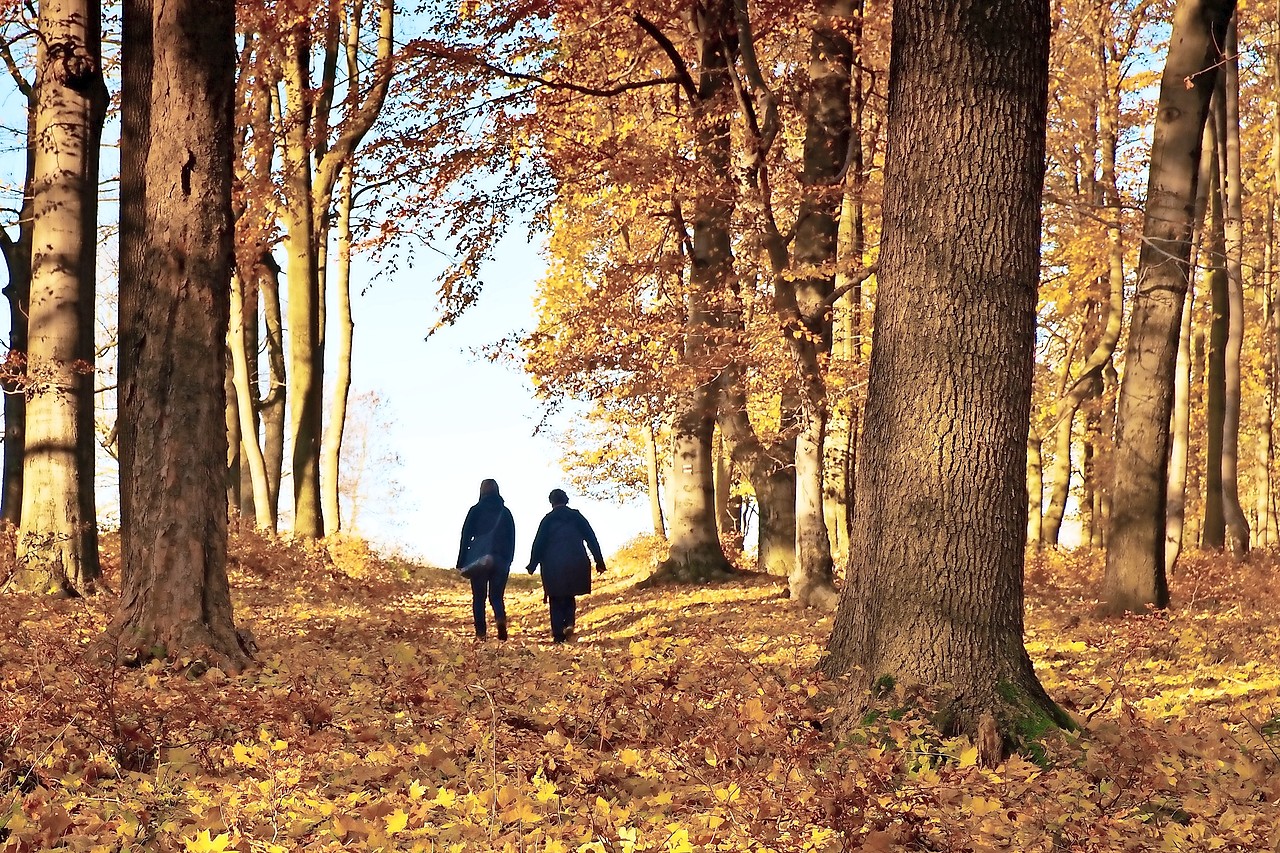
(481, 518)
(558, 546)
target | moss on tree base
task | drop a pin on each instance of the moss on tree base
(1005, 719)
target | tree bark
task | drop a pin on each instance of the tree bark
(331, 449)
(306, 355)
(935, 589)
(1237, 525)
(1213, 533)
(1035, 487)
(179, 67)
(272, 407)
(696, 554)
(242, 387)
(1135, 573)
(655, 481)
(58, 536)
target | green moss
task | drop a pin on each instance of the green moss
(882, 685)
(1028, 723)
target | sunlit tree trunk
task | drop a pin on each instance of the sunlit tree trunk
(654, 479)
(1035, 487)
(242, 386)
(934, 593)
(306, 355)
(232, 414)
(272, 407)
(1135, 573)
(695, 543)
(58, 535)
(332, 447)
(1266, 448)
(1180, 422)
(176, 252)
(1237, 525)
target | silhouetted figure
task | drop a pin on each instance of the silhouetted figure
(566, 570)
(489, 527)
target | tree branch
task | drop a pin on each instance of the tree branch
(683, 77)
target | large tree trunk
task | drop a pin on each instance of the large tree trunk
(1135, 573)
(936, 569)
(58, 537)
(1237, 525)
(17, 257)
(696, 554)
(179, 67)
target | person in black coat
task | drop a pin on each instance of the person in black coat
(566, 571)
(490, 516)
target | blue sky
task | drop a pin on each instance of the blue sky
(456, 418)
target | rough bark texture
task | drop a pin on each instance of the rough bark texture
(935, 575)
(179, 65)
(1135, 573)
(58, 536)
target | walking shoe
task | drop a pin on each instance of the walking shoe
(568, 633)
(502, 631)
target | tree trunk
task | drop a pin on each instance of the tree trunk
(306, 355)
(1266, 448)
(242, 387)
(696, 554)
(232, 414)
(17, 257)
(331, 450)
(1059, 479)
(1180, 442)
(58, 536)
(1035, 487)
(655, 486)
(1237, 525)
(249, 330)
(1213, 534)
(1135, 574)
(774, 480)
(935, 589)
(272, 407)
(179, 69)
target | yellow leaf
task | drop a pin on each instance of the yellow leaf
(417, 790)
(969, 756)
(202, 843)
(397, 821)
(629, 757)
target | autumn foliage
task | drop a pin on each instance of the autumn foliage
(682, 720)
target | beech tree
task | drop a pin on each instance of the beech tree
(934, 590)
(175, 251)
(58, 533)
(1135, 574)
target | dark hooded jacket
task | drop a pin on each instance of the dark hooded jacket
(481, 518)
(558, 546)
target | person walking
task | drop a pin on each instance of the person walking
(566, 571)
(489, 530)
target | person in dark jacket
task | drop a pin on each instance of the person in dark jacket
(490, 516)
(566, 571)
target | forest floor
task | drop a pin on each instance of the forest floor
(682, 719)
